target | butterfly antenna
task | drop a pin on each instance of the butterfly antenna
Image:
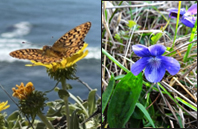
(32, 44)
(27, 43)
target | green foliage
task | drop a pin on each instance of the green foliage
(74, 120)
(131, 23)
(78, 113)
(187, 104)
(190, 40)
(2, 121)
(170, 49)
(67, 73)
(117, 37)
(33, 104)
(122, 35)
(155, 38)
(91, 102)
(123, 100)
(146, 114)
(63, 93)
(107, 93)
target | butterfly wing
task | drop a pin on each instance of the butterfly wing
(34, 54)
(72, 41)
(67, 45)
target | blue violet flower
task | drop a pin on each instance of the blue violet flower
(154, 63)
(185, 17)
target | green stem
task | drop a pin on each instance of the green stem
(63, 81)
(190, 40)
(44, 119)
(178, 14)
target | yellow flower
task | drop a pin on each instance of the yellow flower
(66, 62)
(4, 105)
(31, 101)
(23, 91)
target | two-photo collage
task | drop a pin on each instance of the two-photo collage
(98, 64)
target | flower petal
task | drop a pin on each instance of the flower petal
(154, 74)
(188, 21)
(170, 64)
(141, 50)
(174, 11)
(3, 105)
(192, 10)
(139, 65)
(157, 49)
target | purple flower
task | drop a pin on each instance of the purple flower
(184, 15)
(155, 63)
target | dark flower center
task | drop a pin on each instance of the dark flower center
(175, 14)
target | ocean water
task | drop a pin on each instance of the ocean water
(39, 23)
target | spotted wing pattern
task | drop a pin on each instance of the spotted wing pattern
(34, 54)
(72, 41)
(67, 45)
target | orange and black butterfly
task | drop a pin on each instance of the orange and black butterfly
(70, 43)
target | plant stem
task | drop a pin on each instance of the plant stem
(44, 119)
(178, 14)
(63, 81)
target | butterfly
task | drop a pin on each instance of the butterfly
(70, 43)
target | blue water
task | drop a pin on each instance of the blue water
(39, 23)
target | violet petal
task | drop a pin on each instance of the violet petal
(141, 50)
(188, 21)
(174, 11)
(154, 74)
(170, 64)
(139, 65)
(157, 49)
(192, 10)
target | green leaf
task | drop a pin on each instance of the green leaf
(107, 93)
(74, 121)
(79, 104)
(134, 123)
(117, 37)
(92, 101)
(180, 121)
(143, 109)
(63, 93)
(131, 23)
(186, 103)
(105, 14)
(15, 115)
(155, 38)
(119, 77)
(137, 114)
(40, 125)
(13, 120)
(123, 100)
(170, 49)
(190, 40)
